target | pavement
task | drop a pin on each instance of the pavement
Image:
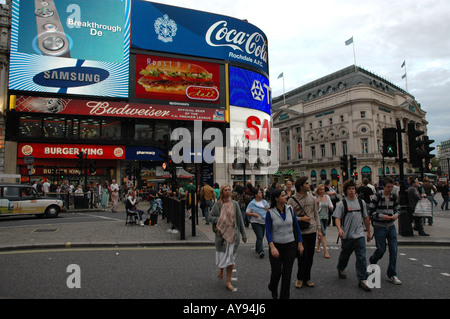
(102, 229)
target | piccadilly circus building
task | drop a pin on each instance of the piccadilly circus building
(129, 83)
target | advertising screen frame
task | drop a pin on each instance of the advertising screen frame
(83, 29)
(176, 30)
(219, 77)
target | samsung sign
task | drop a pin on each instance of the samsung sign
(165, 28)
(71, 46)
(250, 90)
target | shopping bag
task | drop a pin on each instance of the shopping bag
(423, 208)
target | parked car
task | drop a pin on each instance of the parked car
(21, 199)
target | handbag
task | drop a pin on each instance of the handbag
(423, 208)
(303, 225)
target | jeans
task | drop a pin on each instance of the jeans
(357, 245)
(445, 202)
(381, 235)
(259, 230)
(209, 205)
(281, 267)
(305, 261)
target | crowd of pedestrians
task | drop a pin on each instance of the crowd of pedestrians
(293, 219)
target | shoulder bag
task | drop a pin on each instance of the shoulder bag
(303, 225)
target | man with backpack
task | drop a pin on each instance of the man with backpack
(384, 210)
(350, 214)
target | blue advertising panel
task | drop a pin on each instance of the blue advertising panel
(164, 28)
(136, 153)
(71, 46)
(250, 89)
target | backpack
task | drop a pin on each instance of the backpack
(344, 201)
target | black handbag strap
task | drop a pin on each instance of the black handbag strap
(304, 213)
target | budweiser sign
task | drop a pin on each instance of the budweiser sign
(177, 111)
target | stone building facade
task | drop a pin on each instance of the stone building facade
(343, 113)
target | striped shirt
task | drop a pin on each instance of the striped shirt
(380, 205)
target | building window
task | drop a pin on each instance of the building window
(333, 149)
(288, 152)
(111, 130)
(90, 129)
(322, 150)
(342, 118)
(310, 126)
(300, 148)
(331, 121)
(54, 127)
(320, 123)
(344, 148)
(363, 114)
(313, 152)
(364, 146)
(30, 126)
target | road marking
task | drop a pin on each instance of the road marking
(413, 259)
(428, 266)
(28, 251)
(445, 274)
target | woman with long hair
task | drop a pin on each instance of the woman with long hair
(228, 226)
(284, 237)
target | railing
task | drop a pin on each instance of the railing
(173, 210)
(77, 201)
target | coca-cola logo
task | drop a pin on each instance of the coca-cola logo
(219, 35)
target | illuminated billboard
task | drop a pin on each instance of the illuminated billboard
(250, 90)
(177, 82)
(164, 28)
(71, 47)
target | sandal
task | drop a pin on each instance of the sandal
(298, 284)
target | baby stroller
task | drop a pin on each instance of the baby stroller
(154, 210)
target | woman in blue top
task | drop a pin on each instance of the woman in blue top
(284, 238)
(256, 210)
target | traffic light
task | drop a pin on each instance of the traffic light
(428, 149)
(92, 167)
(416, 153)
(352, 165)
(344, 163)
(390, 142)
(80, 162)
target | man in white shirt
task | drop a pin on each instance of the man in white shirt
(349, 222)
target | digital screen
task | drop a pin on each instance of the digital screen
(71, 46)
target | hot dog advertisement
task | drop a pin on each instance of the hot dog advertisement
(177, 80)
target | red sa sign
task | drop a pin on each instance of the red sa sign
(254, 131)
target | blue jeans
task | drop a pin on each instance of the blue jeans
(357, 245)
(381, 235)
(259, 230)
(209, 205)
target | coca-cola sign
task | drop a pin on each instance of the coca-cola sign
(255, 45)
(197, 33)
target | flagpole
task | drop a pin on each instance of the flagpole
(284, 92)
(354, 53)
(405, 76)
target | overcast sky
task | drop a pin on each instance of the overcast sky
(307, 41)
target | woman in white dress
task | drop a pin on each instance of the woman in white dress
(228, 226)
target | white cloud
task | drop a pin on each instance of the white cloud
(306, 42)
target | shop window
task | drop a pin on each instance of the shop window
(162, 131)
(143, 131)
(89, 129)
(111, 130)
(54, 127)
(30, 126)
